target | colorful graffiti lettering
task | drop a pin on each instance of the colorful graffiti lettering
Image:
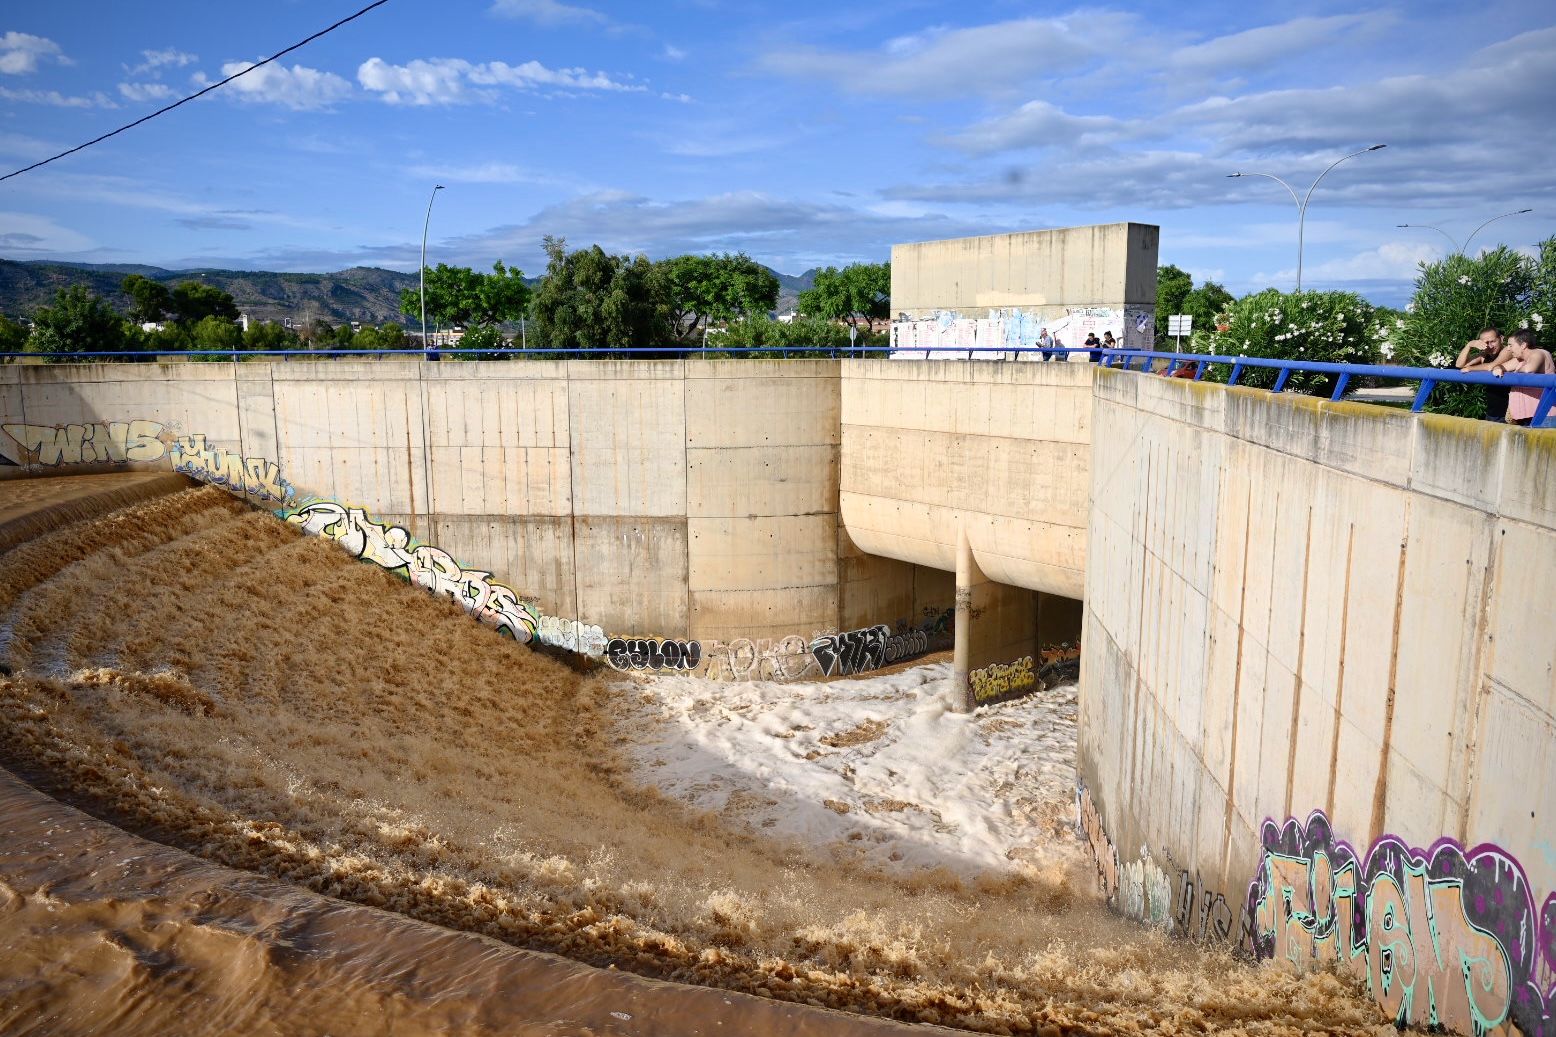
(1004, 681)
(112, 442)
(143, 442)
(646, 654)
(1445, 937)
(253, 475)
(430, 568)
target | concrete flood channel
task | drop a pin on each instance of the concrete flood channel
(251, 780)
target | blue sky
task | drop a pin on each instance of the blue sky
(802, 133)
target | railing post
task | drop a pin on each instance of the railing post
(1542, 409)
(1237, 370)
(1281, 379)
(1339, 386)
(1423, 394)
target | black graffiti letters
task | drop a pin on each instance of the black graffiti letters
(645, 654)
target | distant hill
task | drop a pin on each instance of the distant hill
(790, 287)
(362, 293)
(365, 294)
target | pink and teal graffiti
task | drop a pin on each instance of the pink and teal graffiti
(1445, 937)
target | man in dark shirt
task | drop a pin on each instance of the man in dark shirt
(1478, 354)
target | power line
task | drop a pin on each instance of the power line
(200, 93)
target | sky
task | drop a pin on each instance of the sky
(802, 133)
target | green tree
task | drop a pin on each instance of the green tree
(1206, 305)
(79, 321)
(213, 332)
(1331, 327)
(193, 301)
(13, 336)
(590, 299)
(702, 290)
(150, 301)
(1457, 297)
(773, 337)
(269, 334)
(457, 295)
(1172, 291)
(857, 293)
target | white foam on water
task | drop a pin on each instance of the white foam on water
(879, 768)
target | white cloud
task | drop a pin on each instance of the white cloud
(1038, 124)
(454, 80)
(489, 173)
(156, 60)
(146, 91)
(983, 59)
(548, 12)
(673, 53)
(56, 99)
(1253, 48)
(1393, 261)
(21, 52)
(27, 233)
(297, 87)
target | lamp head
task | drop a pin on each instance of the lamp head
(439, 187)
(1520, 212)
(1231, 175)
(1377, 147)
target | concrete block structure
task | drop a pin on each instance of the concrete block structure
(998, 291)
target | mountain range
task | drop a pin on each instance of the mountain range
(362, 293)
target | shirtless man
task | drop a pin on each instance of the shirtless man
(1478, 354)
(1522, 356)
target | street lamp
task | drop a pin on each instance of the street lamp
(425, 224)
(1464, 250)
(1302, 202)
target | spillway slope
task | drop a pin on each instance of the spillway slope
(197, 671)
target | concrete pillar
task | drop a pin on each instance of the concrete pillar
(961, 658)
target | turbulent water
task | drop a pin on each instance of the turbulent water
(200, 673)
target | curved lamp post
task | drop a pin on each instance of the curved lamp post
(1302, 203)
(1464, 249)
(425, 224)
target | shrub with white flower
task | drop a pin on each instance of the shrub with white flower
(1458, 297)
(1331, 327)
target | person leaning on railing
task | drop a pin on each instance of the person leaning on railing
(1522, 356)
(1478, 354)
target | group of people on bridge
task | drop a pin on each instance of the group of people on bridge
(1517, 354)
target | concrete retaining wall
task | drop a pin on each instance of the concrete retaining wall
(1318, 691)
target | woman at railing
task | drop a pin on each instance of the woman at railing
(1522, 356)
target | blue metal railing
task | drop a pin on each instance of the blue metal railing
(1427, 378)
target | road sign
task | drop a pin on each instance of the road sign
(1180, 324)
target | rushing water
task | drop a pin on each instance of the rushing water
(200, 673)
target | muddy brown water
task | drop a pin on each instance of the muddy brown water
(417, 807)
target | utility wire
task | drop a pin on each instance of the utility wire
(200, 93)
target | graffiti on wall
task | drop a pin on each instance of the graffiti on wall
(1004, 681)
(1098, 843)
(571, 635)
(858, 651)
(950, 334)
(647, 654)
(1152, 888)
(1445, 937)
(431, 568)
(391, 547)
(143, 442)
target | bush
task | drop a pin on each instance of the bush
(1326, 327)
(771, 337)
(1458, 297)
(79, 321)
